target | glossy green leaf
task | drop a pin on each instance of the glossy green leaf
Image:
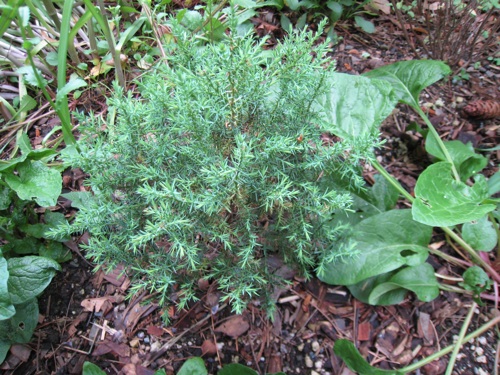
(91, 369)
(480, 234)
(192, 19)
(36, 181)
(355, 105)
(409, 78)
(364, 24)
(29, 76)
(440, 200)
(467, 162)
(7, 309)
(384, 242)
(193, 366)
(55, 251)
(73, 84)
(350, 355)
(494, 183)
(476, 280)
(384, 195)
(5, 197)
(20, 328)
(29, 276)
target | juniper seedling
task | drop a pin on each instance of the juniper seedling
(216, 163)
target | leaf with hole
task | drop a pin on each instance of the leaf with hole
(19, 328)
(440, 200)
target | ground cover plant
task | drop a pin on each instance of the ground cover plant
(219, 165)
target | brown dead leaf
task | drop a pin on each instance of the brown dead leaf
(383, 5)
(103, 304)
(20, 351)
(155, 331)
(234, 327)
(426, 329)
(208, 347)
(105, 347)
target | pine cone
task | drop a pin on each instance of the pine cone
(483, 109)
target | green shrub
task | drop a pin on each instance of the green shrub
(216, 163)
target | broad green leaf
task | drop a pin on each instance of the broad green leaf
(364, 24)
(494, 184)
(27, 103)
(29, 76)
(25, 245)
(440, 200)
(385, 196)
(391, 288)
(384, 242)
(336, 9)
(418, 279)
(476, 280)
(36, 181)
(56, 251)
(91, 369)
(20, 328)
(355, 105)
(247, 4)
(160, 372)
(350, 355)
(409, 78)
(466, 161)
(292, 4)
(4, 349)
(7, 309)
(193, 366)
(24, 16)
(480, 234)
(301, 22)
(192, 19)
(52, 58)
(5, 197)
(29, 276)
(71, 85)
(364, 288)
(236, 369)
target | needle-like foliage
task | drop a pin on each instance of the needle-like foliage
(218, 162)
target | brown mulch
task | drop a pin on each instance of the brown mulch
(85, 317)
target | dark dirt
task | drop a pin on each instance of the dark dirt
(128, 337)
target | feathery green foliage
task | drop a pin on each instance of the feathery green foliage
(215, 164)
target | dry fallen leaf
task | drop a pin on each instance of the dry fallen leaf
(234, 327)
(208, 347)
